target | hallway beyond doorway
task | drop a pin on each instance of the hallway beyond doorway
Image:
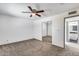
(47, 39)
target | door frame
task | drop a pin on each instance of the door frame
(65, 27)
(46, 28)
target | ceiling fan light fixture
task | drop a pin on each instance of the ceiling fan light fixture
(33, 14)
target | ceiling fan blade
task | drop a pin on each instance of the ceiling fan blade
(40, 11)
(30, 8)
(38, 15)
(30, 15)
(26, 12)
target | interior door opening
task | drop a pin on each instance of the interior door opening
(47, 31)
(72, 31)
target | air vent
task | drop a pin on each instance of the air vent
(73, 12)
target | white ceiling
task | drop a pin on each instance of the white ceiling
(15, 9)
(56, 8)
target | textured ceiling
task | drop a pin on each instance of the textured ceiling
(15, 9)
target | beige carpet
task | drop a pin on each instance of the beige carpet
(36, 48)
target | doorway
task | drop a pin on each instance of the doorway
(72, 31)
(47, 31)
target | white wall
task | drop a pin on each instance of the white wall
(37, 30)
(13, 29)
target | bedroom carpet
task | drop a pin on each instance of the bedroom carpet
(35, 47)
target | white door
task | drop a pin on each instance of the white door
(58, 31)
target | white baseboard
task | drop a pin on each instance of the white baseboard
(9, 42)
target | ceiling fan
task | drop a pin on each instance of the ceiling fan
(33, 12)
